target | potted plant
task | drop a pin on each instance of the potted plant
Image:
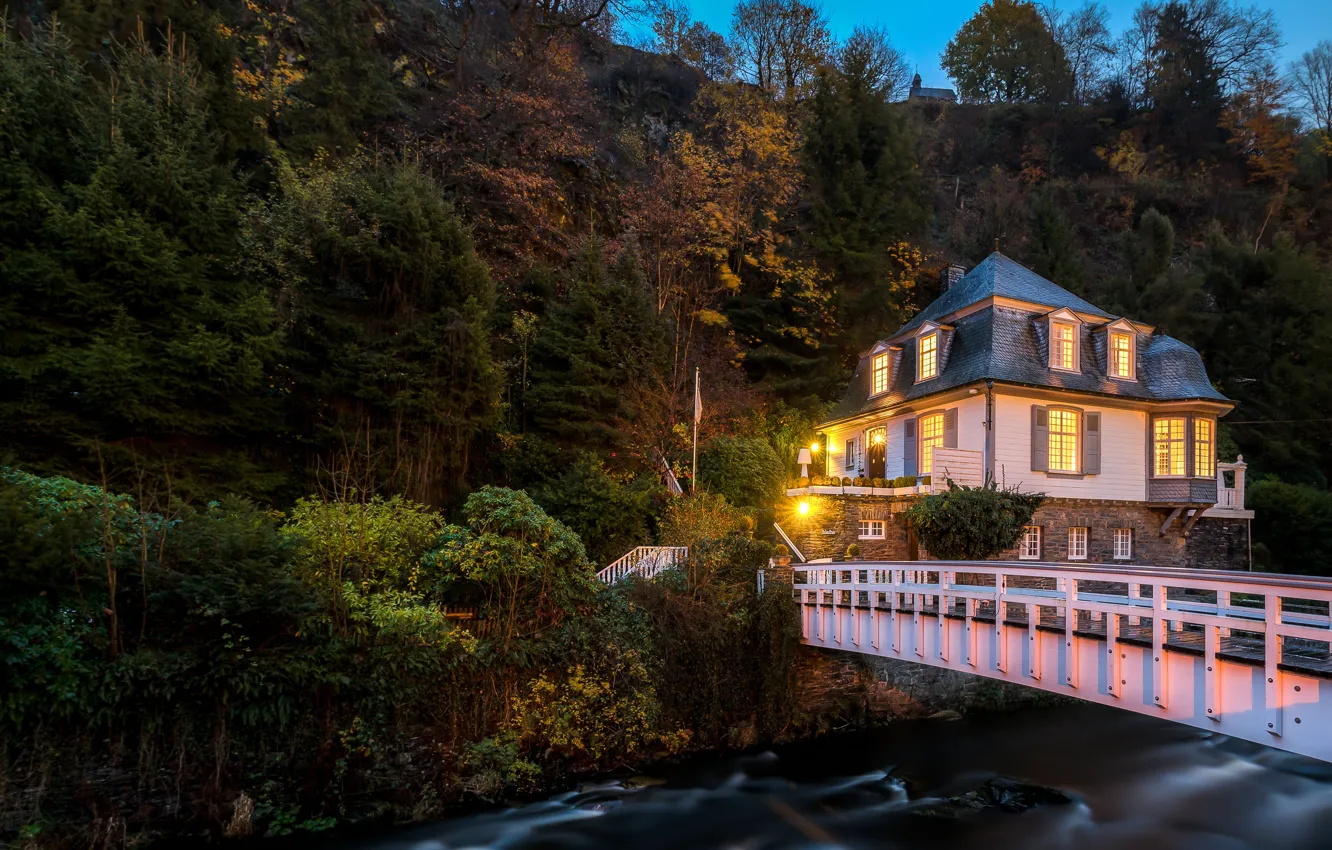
(853, 552)
(781, 555)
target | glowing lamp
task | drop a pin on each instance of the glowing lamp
(803, 508)
(804, 460)
(814, 447)
(878, 438)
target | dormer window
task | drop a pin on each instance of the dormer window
(880, 371)
(1121, 355)
(927, 357)
(1063, 347)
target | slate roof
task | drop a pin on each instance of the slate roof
(998, 275)
(932, 94)
(1008, 345)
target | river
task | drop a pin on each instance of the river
(1083, 777)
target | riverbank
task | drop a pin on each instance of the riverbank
(1072, 776)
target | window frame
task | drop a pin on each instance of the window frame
(921, 458)
(1126, 553)
(1050, 434)
(1023, 554)
(933, 336)
(1055, 327)
(1079, 554)
(1209, 454)
(1132, 374)
(880, 365)
(883, 528)
(849, 459)
(1183, 442)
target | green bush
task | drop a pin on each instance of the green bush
(972, 523)
(1292, 527)
(609, 514)
(743, 469)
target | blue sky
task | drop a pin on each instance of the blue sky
(921, 29)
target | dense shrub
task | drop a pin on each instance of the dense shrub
(972, 523)
(1292, 527)
(610, 514)
(745, 470)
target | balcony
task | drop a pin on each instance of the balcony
(1230, 491)
(963, 466)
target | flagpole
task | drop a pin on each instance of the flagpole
(693, 479)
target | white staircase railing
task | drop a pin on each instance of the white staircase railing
(644, 562)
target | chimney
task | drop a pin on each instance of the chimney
(950, 276)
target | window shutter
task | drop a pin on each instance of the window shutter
(950, 428)
(909, 447)
(1091, 443)
(1040, 438)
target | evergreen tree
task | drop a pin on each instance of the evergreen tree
(1184, 85)
(597, 352)
(127, 338)
(1053, 249)
(865, 200)
(388, 311)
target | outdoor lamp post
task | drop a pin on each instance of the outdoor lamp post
(804, 460)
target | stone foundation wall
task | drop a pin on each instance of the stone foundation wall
(1220, 544)
(847, 687)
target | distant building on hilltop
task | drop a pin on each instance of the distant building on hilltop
(919, 92)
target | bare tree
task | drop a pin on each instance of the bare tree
(1085, 36)
(778, 45)
(870, 55)
(1238, 41)
(692, 41)
(1311, 80)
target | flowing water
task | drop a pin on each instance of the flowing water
(1073, 777)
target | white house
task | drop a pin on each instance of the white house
(1008, 377)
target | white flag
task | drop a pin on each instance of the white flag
(698, 400)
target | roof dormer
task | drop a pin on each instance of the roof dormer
(1121, 349)
(884, 360)
(1064, 336)
(932, 342)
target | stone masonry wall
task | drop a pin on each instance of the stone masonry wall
(847, 687)
(834, 523)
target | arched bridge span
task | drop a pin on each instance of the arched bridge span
(1242, 654)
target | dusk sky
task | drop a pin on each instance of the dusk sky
(921, 30)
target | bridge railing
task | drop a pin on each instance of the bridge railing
(1277, 620)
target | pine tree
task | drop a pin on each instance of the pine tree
(130, 342)
(865, 202)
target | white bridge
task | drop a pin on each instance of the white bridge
(1241, 654)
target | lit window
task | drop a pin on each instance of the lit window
(1077, 544)
(1169, 446)
(1063, 440)
(928, 361)
(1063, 348)
(880, 374)
(850, 457)
(931, 435)
(1123, 544)
(871, 529)
(1204, 448)
(1121, 356)
(1029, 549)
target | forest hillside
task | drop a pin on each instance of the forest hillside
(264, 247)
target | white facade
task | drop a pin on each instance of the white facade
(1123, 449)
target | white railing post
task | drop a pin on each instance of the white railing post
(1272, 660)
